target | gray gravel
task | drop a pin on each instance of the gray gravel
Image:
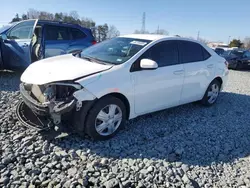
(187, 146)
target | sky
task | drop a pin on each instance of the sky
(215, 20)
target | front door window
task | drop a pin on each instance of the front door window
(23, 30)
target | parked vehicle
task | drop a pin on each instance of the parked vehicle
(24, 42)
(237, 59)
(120, 79)
(219, 51)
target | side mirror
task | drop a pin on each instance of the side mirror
(148, 64)
(3, 37)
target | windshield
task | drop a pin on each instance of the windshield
(115, 51)
(5, 27)
(226, 53)
(237, 53)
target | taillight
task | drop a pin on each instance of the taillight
(226, 63)
(94, 42)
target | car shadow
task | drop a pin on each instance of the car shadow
(9, 80)
(191, 134)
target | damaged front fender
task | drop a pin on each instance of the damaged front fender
(84, 95)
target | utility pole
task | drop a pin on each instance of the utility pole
(143, 22)
(198, 35)
(158, 29)
(228, 39)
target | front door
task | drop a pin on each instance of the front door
(16, 48)
(160, 88)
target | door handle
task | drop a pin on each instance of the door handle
(178, 72)
(210, 66)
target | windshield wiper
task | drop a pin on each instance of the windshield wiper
(95, 60)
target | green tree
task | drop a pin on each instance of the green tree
(100, 32)
(16, 19)
(58, 16)
(24, 17)
(235, 43)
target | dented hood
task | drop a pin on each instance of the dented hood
(60, 68)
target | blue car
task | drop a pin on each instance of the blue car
(25, 42)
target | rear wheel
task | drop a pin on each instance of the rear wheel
(212, 93)
(106, 118)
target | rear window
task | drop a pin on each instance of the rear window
(56, 33)
(77, 34)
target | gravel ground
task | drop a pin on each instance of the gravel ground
(187, 146)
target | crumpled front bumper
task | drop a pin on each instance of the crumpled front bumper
(38, 108)
(43, 116)
(46, 109)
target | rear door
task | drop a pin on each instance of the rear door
(79, 40)
(56, 40)
(199, 70)
(16, 49)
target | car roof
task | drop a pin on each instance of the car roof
(53, 23)
(154, 37)
(145, 36)
(57, 22)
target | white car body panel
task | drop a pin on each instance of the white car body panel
(146, 90)
(157, 89)
(60, 68)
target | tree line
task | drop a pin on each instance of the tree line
(100, 32)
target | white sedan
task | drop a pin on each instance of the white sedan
(120, 79)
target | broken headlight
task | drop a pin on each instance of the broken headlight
(49, 93)
(60, 91)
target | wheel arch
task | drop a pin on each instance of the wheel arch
(123, 98)
(219, 79)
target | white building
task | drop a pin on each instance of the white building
(217, 45)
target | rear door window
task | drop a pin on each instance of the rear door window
(56, 33)
(77, 34)
(190, 52)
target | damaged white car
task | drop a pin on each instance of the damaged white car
(100, 88)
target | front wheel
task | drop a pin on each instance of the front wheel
(105, 118)
(212, 93)
(238, 66)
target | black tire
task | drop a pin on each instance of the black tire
(234, 67)
(90, 123)
(238, 66)
(205, 99)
